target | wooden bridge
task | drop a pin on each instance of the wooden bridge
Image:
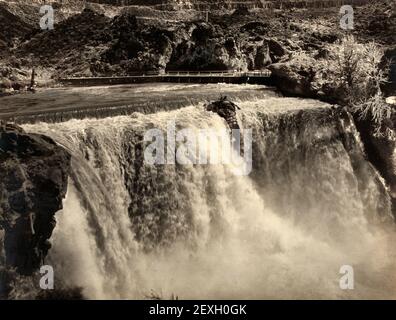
(253, 77)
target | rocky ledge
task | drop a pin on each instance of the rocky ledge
(34, 172)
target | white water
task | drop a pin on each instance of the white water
(202, 232)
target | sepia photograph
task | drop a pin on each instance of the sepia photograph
(217, 150)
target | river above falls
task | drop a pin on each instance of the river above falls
(54, 104)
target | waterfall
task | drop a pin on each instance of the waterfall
(312, 204)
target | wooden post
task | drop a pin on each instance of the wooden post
(32, 80)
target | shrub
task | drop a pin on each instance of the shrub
(355, 70)
(376, 110)
(352, 72)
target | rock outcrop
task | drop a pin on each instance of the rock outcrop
(93, 44)
(225, 109)
(34, 173)
(316, 76)
(293, 79)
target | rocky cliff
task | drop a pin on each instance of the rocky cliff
(94, 44)
(34, 171)
(140, 38)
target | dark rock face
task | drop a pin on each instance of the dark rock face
(380, 152)
(378, 21)
(12, 26)
(293, 79)
(390, 58)
(277, 49)
(34, 173)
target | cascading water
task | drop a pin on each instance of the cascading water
(311, 205)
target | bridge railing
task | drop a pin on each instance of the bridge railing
(155, 76)
(226, 73)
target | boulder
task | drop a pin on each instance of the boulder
(277, 50)
(293, 78)
(225, 109)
